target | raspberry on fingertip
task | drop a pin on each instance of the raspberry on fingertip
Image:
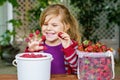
(43, 38)
(27, 40)
(37, 32)
(59, 34)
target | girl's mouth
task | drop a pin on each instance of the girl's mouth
(50, 34)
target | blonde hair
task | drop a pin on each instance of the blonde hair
(66, 18)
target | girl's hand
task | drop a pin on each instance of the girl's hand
(65, 39)
(35, 42)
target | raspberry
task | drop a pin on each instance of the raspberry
(43, 38)
(32, 55)
(31, 35)
(37, 32)
(27, 39)
(59, 34)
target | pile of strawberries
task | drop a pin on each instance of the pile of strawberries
(32, 55)
(88, 46)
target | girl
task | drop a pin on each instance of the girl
(62, 36)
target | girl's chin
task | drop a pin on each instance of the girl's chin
(50, 39)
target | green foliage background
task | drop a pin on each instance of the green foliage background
(86, 11)
(89, 10)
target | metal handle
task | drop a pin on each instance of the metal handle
(14, 63)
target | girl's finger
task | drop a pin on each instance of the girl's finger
(31, 49)
(63, 36)
(39, 47)
(27, 40)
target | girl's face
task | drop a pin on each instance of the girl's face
(51, 27)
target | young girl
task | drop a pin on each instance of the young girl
(62, 36)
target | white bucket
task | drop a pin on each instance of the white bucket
(33, 68)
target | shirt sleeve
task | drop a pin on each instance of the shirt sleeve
(71, 56)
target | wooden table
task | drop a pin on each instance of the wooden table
(54, 77)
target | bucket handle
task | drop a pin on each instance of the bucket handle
(14, 62)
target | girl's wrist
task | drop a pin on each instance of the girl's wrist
(70, 43)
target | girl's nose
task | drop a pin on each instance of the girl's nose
(49, 27)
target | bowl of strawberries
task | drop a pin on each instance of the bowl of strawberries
(33, 65)
(95, 61)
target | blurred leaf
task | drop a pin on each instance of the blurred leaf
(91, 9)
(14, 3)
(2, 2)
(16, 23)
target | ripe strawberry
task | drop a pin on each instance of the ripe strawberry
(99, 50)
(88, 46)
(95, 48)
(59, 34)
(103, 47)
(80, 47)
(89, 49)
(37, 32)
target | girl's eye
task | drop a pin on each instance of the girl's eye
(45, 24)
(54, 25)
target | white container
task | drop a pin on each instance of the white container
(33, 68)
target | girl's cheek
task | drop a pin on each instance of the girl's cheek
(43, 31)
(43, 28)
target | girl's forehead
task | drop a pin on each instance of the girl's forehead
(52, 18)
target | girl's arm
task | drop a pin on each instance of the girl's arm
(71, 57)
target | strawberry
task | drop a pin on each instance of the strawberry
(59, 34)
(37, 32)
(89, 49)
(95, 47)
(80, 47)
(103, 47)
